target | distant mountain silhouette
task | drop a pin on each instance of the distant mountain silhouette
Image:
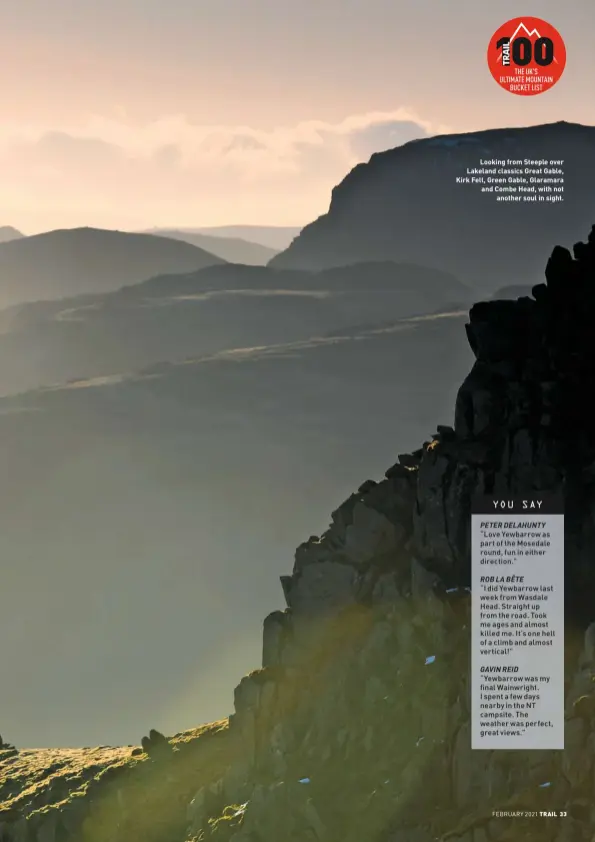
(8, 233)
(79, 260)
(232, 249)
(211, 311)
(405, 199)
(276, 237)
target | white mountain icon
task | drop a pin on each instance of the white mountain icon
(530, 33)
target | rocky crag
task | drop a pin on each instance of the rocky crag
(357, 726)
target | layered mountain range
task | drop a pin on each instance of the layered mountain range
(231, 249)
(73, 261)
(214, 310)
(276, 237)
(171, 423)
(357, 725)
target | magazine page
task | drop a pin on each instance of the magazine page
(297, 461)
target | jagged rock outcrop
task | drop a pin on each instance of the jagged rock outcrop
(155, 745)
(357, 726)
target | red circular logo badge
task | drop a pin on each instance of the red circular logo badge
(526, 56)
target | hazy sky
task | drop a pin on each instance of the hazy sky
(134, 113)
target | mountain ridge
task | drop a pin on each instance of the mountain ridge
(213, 310)
(230, 249)
(74, 260)
(276, 237)
(392, 204)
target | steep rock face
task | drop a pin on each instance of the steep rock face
(357, 727)
(392, 207)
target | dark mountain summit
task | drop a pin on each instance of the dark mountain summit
(78, 260)
(405, 205)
